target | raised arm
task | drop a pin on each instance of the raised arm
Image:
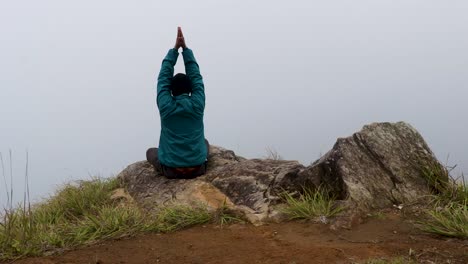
(164, 98)
(193, 72)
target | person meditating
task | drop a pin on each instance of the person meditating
(183, 149)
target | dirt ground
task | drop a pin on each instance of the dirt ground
(288, 243)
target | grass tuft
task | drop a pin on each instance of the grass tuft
(225, 215)
(108, 222)
(76, 200)
(448, 215)
(449, 220)
(273, 154)
(310, 204)
(175, 217)
(437, 177)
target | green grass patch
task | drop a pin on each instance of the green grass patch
(450, 219)
(76, 200)
(378, 215)
(84, 213)
(310, 204)
(448, 213)
(226, 215)
(175, 217)
(108, 222)
(55, 223)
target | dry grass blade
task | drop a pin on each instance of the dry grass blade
(273, 154)
(5, 180)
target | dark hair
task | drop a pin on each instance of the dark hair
(180, 84)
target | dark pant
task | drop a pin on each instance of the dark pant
(176, 173)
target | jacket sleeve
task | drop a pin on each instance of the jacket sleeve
(164, 98)
(193, 72)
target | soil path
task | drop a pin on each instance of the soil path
(288, 243)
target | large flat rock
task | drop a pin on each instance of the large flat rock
(380, 166)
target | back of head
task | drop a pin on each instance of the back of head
(180, 84)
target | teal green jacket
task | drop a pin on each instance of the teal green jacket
(182, 140)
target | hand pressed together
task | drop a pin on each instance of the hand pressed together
(180, 41)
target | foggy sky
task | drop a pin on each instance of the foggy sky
(78, 78)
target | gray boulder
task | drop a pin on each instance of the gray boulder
(383, 165)
(380, 166)
(241, 184)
